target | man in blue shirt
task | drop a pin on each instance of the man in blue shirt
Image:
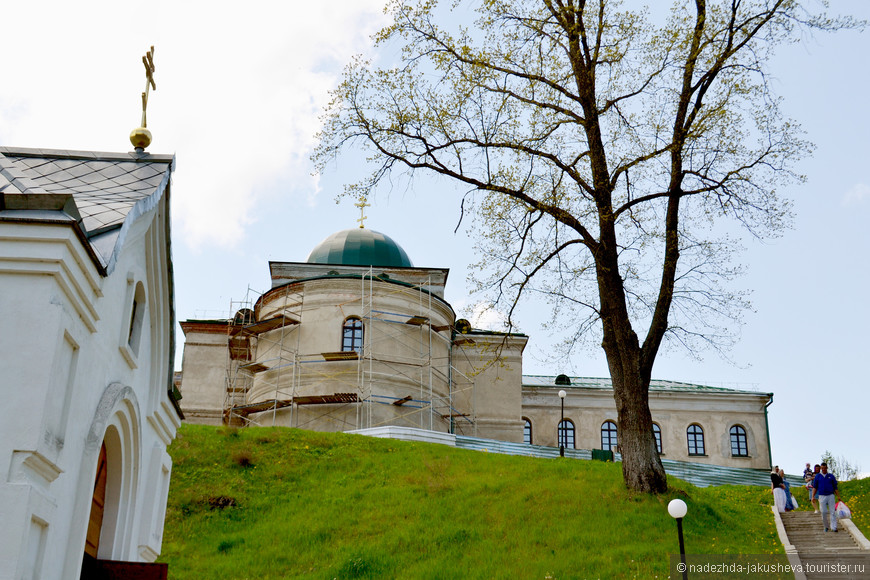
(825, 488)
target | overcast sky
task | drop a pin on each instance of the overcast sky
(239, 90)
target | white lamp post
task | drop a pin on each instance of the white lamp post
(677, 508)
(563, 436)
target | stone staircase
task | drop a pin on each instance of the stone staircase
(820, 551)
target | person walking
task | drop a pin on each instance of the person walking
(776, 484)
(809, 476)
(825, 487)
(789, 503)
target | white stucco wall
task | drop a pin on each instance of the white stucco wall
(70, 377)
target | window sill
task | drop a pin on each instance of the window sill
(129, 356)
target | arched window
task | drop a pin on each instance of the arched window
(739, 448)
(137, 317)
(352, 335)
(527, 431)
(657, 433)
(608, 436)
(566, 434)
(695, 435)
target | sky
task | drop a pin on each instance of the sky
(240, 87)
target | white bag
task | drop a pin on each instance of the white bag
(794, 502)
(842, 510)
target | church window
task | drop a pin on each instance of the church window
(137, 316)
(527, 431)
(352, 335)
(695, 436)
(657, 433)
(739, 448)
(608, 436)
(566, 433)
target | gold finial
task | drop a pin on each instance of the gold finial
(141, 136)
(362, 205)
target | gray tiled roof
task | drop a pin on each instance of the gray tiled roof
(606, 384)
(104, 188)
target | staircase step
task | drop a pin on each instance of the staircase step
(805, 530)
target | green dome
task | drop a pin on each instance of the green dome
(360, 247)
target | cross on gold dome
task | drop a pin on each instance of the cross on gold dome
(148, 61)
(140, 137)
(362, 205)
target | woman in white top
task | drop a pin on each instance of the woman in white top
(779, 497)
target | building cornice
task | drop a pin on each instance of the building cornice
(53, 250)
(204, 326)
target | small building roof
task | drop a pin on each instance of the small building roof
(98, 192)
(607, 384)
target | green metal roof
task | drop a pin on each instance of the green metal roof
(605, 383)
(360, 247)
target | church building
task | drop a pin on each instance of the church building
(86, 363)
(356, 337)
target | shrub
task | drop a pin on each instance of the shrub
(243, 458)
(220, 502)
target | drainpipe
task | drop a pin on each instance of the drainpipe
(767, 428)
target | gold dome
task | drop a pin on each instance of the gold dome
(140, 138)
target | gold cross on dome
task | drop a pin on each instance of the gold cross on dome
(362, 205)
(148, 61)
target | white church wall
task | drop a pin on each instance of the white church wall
(48, 291)
(71, 328)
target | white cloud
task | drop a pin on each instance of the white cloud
(239, 91)
(485, 317)
(857, 195)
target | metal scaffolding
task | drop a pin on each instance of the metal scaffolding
(400, 351)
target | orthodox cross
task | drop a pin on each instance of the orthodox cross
(148, 61)
(362, 205)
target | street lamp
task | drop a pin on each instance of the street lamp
(563, 435)
(677, 508)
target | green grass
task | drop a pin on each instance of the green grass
(284, 503)
(856, 494)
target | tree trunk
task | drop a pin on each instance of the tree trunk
(642, 469)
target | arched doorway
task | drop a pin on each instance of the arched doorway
(104, 556)
(98, 505)
(108, 540)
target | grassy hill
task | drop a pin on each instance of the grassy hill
(265, 503)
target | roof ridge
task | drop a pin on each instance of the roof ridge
(89, 155)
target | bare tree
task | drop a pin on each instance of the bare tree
(599, 150)
(842, 469)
